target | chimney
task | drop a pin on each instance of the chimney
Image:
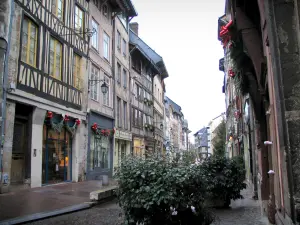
(134, 27)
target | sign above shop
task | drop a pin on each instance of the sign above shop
(123, 135)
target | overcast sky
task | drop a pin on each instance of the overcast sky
(184, 33)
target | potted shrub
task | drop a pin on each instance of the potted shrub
(224, 179)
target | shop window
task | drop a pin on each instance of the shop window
(99, 155)
(57, 156)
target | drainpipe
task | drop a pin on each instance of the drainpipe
(4, 87)
(279, 96)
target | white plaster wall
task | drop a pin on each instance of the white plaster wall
(97, 58)
(79, 150)
(8, 139)
(38, 117)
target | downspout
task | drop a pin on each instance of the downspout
(5, 81)
(277, 73)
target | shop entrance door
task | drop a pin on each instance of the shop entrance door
(57, 156)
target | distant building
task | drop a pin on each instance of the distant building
(202, 141)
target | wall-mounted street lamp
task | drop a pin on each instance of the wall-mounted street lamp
(161, 126)
(104, 87)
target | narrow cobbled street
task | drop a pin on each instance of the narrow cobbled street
(242, 212)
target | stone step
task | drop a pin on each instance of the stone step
(103, 193)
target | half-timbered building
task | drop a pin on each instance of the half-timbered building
(45, 132)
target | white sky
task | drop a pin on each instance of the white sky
(184, 33)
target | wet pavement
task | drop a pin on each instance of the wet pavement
(37, 200)
(242, 212)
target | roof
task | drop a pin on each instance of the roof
(149, 53)
(126, 6)
(176, 108)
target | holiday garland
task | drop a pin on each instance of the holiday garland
(102, 132)
(65, 121)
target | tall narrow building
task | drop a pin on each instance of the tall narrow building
(107, 100)
(145, 65)
(123, 135)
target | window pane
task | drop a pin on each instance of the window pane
(95, 35)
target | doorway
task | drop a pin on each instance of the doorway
(21, 155)
(57, 156)
(18, 152)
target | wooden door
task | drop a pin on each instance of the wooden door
(18, 152)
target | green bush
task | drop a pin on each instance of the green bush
(160, 192)
(224, 178)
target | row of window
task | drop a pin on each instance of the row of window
(95, 90)
(141, 94)
(140, 118)
(29, 54)
(122, 73)
(121, 41)
(122, 120)
(58, 6)
(95, 40)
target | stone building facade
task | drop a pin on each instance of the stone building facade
(123, 135)
(263, 43)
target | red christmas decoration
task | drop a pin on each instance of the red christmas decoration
(224, 29)
(224, 33)
(77, 121)
(95, 126)
(103, 132)
(107, 132)
(49, 114)
(237, 114)
(231, 73)
(66, 118)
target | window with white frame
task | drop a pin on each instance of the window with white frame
(125, 114)
(106, 46)
(124, 47)
(94, 85)
(124, 78)
(119, 116)
(119, 74)
(95, 36)
(118, 40)
(106, 96)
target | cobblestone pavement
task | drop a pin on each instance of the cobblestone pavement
(242, 212)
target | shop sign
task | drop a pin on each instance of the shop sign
(123, 135)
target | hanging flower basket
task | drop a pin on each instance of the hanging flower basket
(146, 100)
(146, 126)
(150, 102)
